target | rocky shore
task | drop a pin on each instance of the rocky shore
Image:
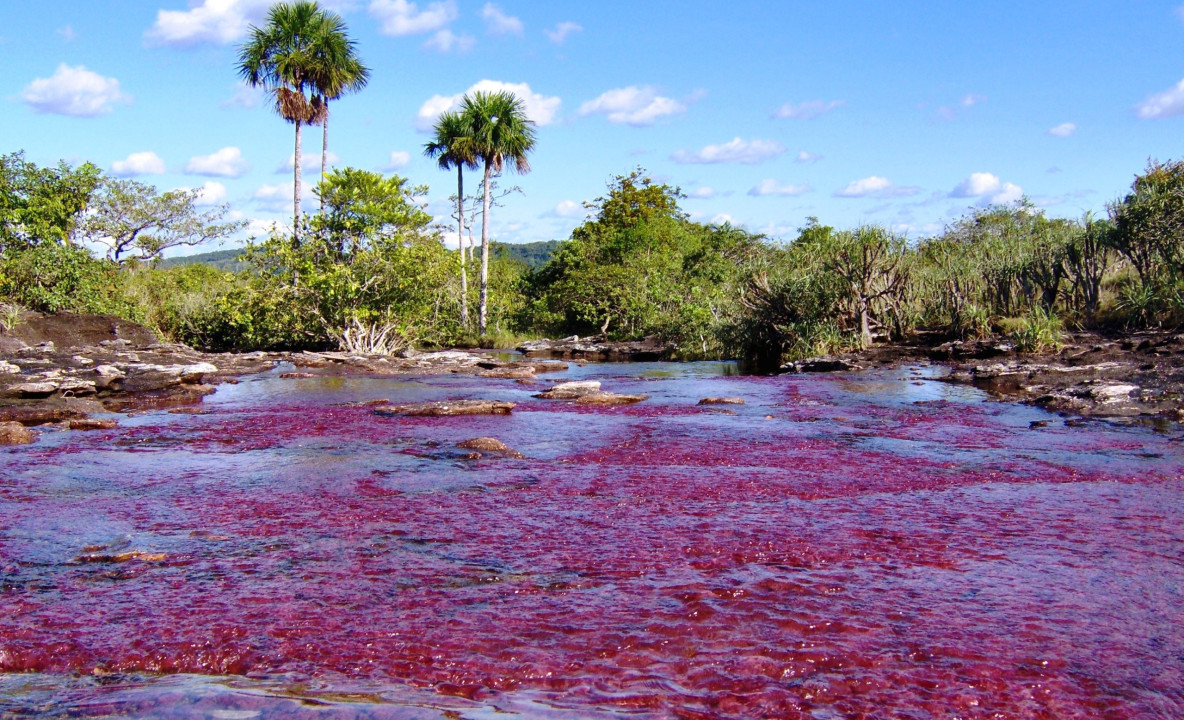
(74, 370)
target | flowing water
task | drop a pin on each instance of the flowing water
(876, 545)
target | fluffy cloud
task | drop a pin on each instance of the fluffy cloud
(400, 17)
(633, 105)
(227, 162)
(748, 152)
(560, 32)
(1063, 130)
(806, 110)
(499, 23)
(569, 209)
(245, 96)
(399, 159)
(217, 22)
(770, 187)
(211, 193)
(807, 157)
(540, 108)
(74, 91)
(702, 193)
(988, 188)
(278, 198)
(141, 163)
(309, 162)
(446, 41)
(876, 187)
(1168, 103)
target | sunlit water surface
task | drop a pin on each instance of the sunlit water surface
(850, 546)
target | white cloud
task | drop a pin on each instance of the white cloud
(74, 91)
(1168, 103)
(807, 157)
(211, 193)
(400, 17)
(499, 23)
(876, 187)
(446, 41)
(67, 33)
(539, 108)
(278, 198)
(141, 163)
(309, 162)
(569, 209)
(633, 105)
(227, 162)
(1063, 130)
(806, 110)
(988, 188)
(723, 219)
(971, 100)
(245, 96)
(770, 187)
(702, 193)
(217, 22)
(562, 31)
(399, 159)
(748, 152)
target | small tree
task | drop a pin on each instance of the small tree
(871, 261)
(1149, 223)
(131, 220)
(41, 204)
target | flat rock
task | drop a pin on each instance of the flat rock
(33, 389)
(489, 444)
(722, 401)
(822, 364)
(608, 398)
(94, 424)
(510, 373)
(447, 408)
(570, 390)
(14, 433)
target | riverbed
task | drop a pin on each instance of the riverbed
(877, 544)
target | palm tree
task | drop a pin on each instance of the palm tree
(338, 71)
(282, 57)
(453, 146)
(502, 136)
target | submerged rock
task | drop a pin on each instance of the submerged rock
(94, 424)
(489, 444)
(722, 401)
(447, 407)
(822, 364)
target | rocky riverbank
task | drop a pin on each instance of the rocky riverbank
(1139, 375)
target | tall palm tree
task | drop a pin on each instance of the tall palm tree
(338, 71)
(502, 136)
(282, 57)
(453, 146)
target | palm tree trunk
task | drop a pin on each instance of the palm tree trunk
(484, 252)
(325, 150)
(460, 245)
(296, 186)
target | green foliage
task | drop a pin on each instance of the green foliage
(1149, 223)
(228, 260)
(532, 255)
(41, 204)
(365, 208)
(62, 278)
(1039, 330)
(127, 216)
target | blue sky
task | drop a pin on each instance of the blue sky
(764, 113)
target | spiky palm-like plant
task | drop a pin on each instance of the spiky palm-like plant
(338, 71)
(502, 137)
(452, 146)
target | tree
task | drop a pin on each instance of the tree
(453, 146)
(870, 260)
(1149, 223)
(41, 204)
(338, 71)
(362, 208)
(287, 57)
(502, 137)
(129, 216)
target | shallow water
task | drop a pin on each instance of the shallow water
(849, 546)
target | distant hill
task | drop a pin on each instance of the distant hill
(531, 255)
(221, 259)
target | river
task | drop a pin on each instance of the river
(875, 545)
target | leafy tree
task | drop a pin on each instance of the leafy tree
(41, 204)
(127, 216)
(291, 56)
(502, 138)
(871, 263)
(362, 208)
(453, 145)
(1149, 223)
